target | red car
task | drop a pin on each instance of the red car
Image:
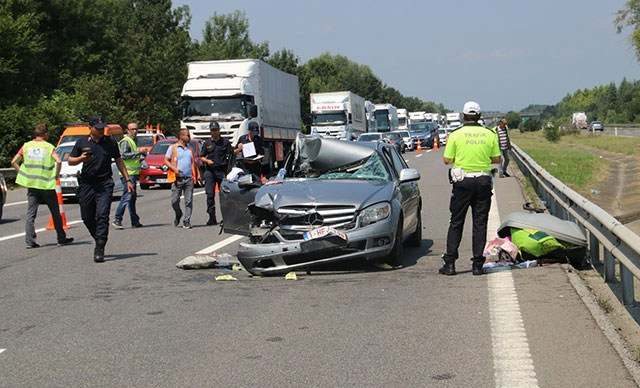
(153, 170)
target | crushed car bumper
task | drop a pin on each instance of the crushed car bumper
(368, 242)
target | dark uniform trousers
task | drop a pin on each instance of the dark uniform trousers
(212, 177)
(95, 206)
(475, 193)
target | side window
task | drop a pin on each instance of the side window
(398, 162)
(389, 159)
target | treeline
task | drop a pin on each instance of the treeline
(61, 61)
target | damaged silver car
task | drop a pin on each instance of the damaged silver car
(334, 200)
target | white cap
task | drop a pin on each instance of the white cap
(471, 108)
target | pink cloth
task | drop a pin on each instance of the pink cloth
(493, 247)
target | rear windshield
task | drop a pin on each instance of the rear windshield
(64, 152)
(144, 141)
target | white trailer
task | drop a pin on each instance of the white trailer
(403, 119)
(579, 120)
(454, 119)
(417, 117)
(370, 108)
(234, 92)
(386, 116)
(338, 114)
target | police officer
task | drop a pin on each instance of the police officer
(253, 164)
(471, 149)
(96, 153)
(132, 160)
(215, 157)
(38, 173)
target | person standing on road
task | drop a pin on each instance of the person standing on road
(38, 173)
(505, 145)
(132, 160)
(182, 174)
(253, 164)
(216, 152)
(95, 190)
(471, 149)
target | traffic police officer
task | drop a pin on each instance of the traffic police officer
(96, 153)
(38, 173)
(132, 160)
(471, 149)
(215, 157)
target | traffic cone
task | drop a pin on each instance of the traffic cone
(436, 144)
(63, 216)
(419, 149)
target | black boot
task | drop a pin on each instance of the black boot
(98, 252)
(477, 266)
(448, 268)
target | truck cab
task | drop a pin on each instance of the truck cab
(403, 119)
(338, 115)
(386, 116)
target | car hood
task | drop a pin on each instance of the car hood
(315, 192)
(66, 169)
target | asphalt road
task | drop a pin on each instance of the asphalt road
(137, 320)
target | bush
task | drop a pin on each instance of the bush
(552, 133)
(531, 125)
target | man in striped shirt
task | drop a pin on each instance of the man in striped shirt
(505, 146)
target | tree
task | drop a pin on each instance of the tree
(285, 60)
(513, 119)
(227, 37)
(629, 16)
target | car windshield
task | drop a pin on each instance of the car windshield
(422, 127)
(144, 141)
(369, 137)
(382, 120)
(64, 152)
(71, 138)
(403, 133)
(393, 136)
(160, 148)
(230, 108)
(332, 118)
(418, 133)
(442, 131)
(371, 169)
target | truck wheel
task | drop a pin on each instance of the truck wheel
(416, 237)
(395, 256)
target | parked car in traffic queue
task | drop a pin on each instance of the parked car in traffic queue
(395, 139)
(410, 143)
(153, 170)
(423, 133)
(596, 126)
(69, 174)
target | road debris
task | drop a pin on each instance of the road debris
(291, 276)
(197, 262)
(225, 278)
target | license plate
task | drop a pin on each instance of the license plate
(162, 180)
(67, 184)
(323, 232)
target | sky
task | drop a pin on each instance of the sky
(504, 54)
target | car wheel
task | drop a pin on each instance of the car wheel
(416, 237)
(395, 256)
(144, 186)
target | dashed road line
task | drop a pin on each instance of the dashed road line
(219, 245)
(512, 362)
(2, 350)
(5, 238)
(419, 155)
(15, 203)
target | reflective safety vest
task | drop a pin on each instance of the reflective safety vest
(133, 164)
(38, 169)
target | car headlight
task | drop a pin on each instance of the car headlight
(374, 213)
(144, 165)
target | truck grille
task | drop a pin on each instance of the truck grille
(301, 217)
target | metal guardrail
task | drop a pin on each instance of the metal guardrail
(619, 245)
(8, 173)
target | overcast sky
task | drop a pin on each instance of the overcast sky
(505, 54)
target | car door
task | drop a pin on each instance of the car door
(408, 191)
(234, 205)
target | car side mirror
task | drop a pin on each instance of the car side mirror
(409, 175)
(253, 111)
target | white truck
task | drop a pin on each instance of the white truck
(417, 117)
(370, 108)
(403, 119)
(234, 92)
(579, 120)
(454, 119)
(386, 116)
(338, 114)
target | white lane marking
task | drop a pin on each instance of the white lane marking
(512, 362)
(219, 245)
(2, 350)
(15, 203)
(419, 155)
(429, 150)
(5, 238)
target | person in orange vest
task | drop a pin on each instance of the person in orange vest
(183, 172)
(38, 167)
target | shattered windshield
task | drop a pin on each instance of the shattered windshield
(372, 168)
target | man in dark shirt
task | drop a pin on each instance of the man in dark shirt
(96, 153)
(252, 164)
(215, 157)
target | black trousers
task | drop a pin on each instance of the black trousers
(211, 178)
(35, 197)
(95, 206)
(475, 193)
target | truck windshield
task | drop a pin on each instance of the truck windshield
(331, 118)
(229, 108)
(382, 120)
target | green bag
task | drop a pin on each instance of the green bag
(534, 242)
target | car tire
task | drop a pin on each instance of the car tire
(395, 256)
(416, 237)
(144, 186)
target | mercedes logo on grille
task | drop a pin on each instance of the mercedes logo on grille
(314, 218)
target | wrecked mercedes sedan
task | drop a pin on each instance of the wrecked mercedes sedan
(334, 200)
